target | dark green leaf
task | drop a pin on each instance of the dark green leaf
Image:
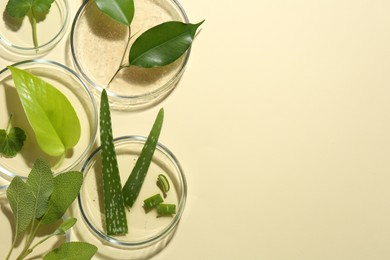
(120, 10)
(72, 251)
(162, 44)
(19, 8)
(152, 202)
(20, 197)
(136, 179)
(11, 143)
(41, 182)
(50, 113)
(114, 209)
(66, 188)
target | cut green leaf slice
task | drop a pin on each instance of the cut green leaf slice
(162, 44)
(166, 209)
(121, 11)
(136, 179)
(114, 209)
(152, 202)
(49, 112)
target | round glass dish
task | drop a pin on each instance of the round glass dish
(16, 34)
(148, 234)
(99, 46)
(70, 84)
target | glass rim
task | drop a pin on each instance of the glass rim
(145, 96)
(94, 111)
(31, 51)
(163, 233)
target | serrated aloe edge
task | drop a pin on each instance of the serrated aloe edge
(114, 209)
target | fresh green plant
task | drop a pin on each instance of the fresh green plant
(73, 251)
(134, 183)
(49, 112)
(114, 209)
(11, 140)
(42, 199)
(163, 184)
(151, 202)
(166, 209)
(34, 9)
(156, 47)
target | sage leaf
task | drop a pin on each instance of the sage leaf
(65, 226)
(66, 188)
(162, 44)
(41, 183)
(114, 209)
(134, 182)
(11, 142)
(49, 112)
(19, 195)
(121, 11)
(72, 251)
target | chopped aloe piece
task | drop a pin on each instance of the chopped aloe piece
(163, 184)
(114, 209)
(152, 202)
(136, 179)
(166, 209)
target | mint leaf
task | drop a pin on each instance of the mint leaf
(72, 251)
(11, 142)
(20, 196)
(66, 188)
(162, 44)
(49, 112)
(121, 11)
(114, 209)
(41, 182)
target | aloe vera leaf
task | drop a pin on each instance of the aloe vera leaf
(136, 179)
(166, 209)
(152, 202)
(114, 209)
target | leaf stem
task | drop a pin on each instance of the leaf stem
(123, 64)
(12, 247)
(9, 123)
(27, 250)
(34, 29)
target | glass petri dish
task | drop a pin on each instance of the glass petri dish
(16, 34)
(99, 46)
(148, 234)
(71, 85)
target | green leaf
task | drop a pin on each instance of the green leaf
(136, 179)
(51, 115)
(12, 142)
(41, 183)
(20, 196)
(66, 188)
(121, 11)
(162, 44)
(114, 209)
(19, 8)
(65, 226)
(72, 251)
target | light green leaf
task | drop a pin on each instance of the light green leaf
(136, 179)
(19, 8)
(20, 196)
(65, 226)
(51, 115)
(114, 209)
(72, 251)
(41, 183)
(162, 44)
(120, 10)
(66, 188)
(12, 142)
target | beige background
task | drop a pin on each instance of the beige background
(282, 125)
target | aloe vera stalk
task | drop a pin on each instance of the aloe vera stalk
(136, 179)
(114, 209)
(152, 202)
(166, 209)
